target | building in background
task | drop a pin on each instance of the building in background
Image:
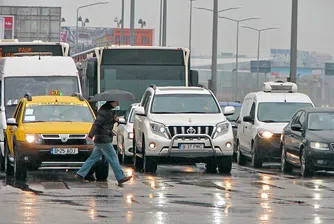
(31, 23)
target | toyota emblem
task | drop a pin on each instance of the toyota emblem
(191, 130)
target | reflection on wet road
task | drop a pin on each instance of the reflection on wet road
(176, 194)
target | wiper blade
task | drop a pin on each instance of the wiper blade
(269, 121)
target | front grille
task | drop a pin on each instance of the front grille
(68, 142)
(63, 139)
(174, 130)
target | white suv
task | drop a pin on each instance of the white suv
(183, 125)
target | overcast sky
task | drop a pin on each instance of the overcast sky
(315, 22)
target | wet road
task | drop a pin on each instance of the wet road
(176, 194)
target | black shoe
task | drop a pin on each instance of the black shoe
(90, 178)
(120, 182)
(79, 178)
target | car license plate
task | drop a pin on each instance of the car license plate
(191, 146)
(64, 151)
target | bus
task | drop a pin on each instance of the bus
(10, 48)
(133, 69)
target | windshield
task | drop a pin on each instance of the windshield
(137, 78)
(57, 113)
(234, 116)
(184, 103)
(278, 112)
(321, 121)
(16, 87)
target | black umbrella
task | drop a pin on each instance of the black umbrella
(114, 95)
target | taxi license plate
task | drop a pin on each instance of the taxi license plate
(191, 146)
(64, 151)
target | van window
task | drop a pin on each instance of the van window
(252, 111)
(279, 112)
(245, 107)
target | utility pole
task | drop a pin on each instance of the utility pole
(214, 48)
(132, 23)
(160, 26)
(164, 22)
(190, 22)
(293, 47)
(122, 24)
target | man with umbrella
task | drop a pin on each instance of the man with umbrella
(102, 133)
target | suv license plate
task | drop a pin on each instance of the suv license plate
(191, 146)
(64, 151)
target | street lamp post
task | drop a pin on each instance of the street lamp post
(215, 42)
(190, 22)
(258, 49)
(77, 21)
(237, 49)
(122, 24)
(293, 47)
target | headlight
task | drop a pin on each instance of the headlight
(90, 141)
(30, 138)
(222, 128)
(265, 134)
(319, 145)
(130, 135)
(158, 128)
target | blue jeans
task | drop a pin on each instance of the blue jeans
(106, 149)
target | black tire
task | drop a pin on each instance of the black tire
(234, 157)
(20, 168)
(211, 166)
(286, 167)
(256, 157)
(151, 165)
(9, 169)
(137, 161)
(241, 159)
(102, 170)
(225, 165)
(2, 161)
(305, 168)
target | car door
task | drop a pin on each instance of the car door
(121, 128)
(250, 129)
(241, 124)
(11, 130)
(298, 135)
(141, 119)
(289, 141)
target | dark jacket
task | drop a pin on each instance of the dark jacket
(103, 125)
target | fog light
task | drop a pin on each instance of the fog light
(26, 158)
(152, 145)
(229, 145)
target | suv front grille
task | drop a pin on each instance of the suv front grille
(174, 130)
(71, 139)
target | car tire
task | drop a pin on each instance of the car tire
(241, 159)
(286, 167)
(137, 161)
(305, 168)
(2, 162)
(151, 165)
(8, 167)
(211, 166)
(102, 170)
(225, 165)
(20, 168)
(235, 156)
(256, 157)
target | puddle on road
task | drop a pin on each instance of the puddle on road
(264, 186)
(54, 185)
(65, 202)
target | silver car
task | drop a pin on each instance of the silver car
(125, 135)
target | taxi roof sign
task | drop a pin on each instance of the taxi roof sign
(55, 93)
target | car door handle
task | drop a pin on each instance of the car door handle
(239, 122)
(246, 127)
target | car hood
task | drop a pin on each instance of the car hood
(58, 128)
(189, 119)
(321, 136)
(276, 128)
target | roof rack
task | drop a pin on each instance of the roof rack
(78, 95)
(28, 96)
(33, 54)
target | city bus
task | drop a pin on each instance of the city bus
(133, 69)
(12, 47)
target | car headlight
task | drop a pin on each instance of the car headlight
(158, 128)
(90, 141)
(265, 134)
(34, 138)
(319, 145)
(221, 128)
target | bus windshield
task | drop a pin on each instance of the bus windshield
(16, 87)
(137, 78)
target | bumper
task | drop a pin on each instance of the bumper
(170, 147)
(40, 155)
(321, 160)
(269, 148)
(128, 147)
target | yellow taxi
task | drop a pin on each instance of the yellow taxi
(48, 132)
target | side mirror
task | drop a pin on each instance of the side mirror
(11, 122)
(229, 110)
(140, 111)
(121, 120)
(248, 119)
(296, 127)
(194, 77)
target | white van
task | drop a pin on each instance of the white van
(37, 75)
(262, 118)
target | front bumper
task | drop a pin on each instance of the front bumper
(321, 160)
(269, 148)
(170, 147)
(40, 155)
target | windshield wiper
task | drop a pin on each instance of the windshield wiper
(269, 121)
